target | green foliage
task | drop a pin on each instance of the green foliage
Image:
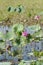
(5, 63)
(1, 41)
(34, 28)
(18, 28)
(16, 36)
(28, 38)
(22, 63)
(38, 34)
(17, 41)
(15, 52)
(2, 45)
(36, 63)
(36, 53)
(39, 63)
(1, 35)
(9, 35)
(1, 51)
(41, 53)
(33, 63)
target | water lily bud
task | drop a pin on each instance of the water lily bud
(24, 33)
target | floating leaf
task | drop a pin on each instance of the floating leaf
(38, 34)
(5, 63)
(22, 63)
(1, 35)
(17, 41)
(9, 35)
(1, 40)
(2, 45)
(38, 63)
(34, 28)
(18, 28)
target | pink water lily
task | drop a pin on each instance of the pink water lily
(24, 33)
(36, 17)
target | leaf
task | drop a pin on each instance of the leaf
(18, 28)
(9, 35)
(38, 34)
(38, 63)
(1, 35)
(15, 27)
(17, 41)
(5, 63)
(2, 45)
(1, 40)
(22, 63)
(34, 28)
(23, 40)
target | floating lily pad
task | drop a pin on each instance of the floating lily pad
(34, 28)
(38, 34)
(9, 35)
(5, 63)
(18, 28)
(1, 35)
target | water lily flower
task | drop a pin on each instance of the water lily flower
(36, 17)
(24, 33)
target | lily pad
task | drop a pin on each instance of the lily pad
(22, 63)
(2, 45)
(34, 28)
(9, 35)
(38, 34)
(18, 28)
(5, 63)
(1, 35)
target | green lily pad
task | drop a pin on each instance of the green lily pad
(1, 35)
(22, 63)
(18, 28)
(2, 45)
(5, 63)
(9, 35)
(38, 63)
(34, 28)
(38, 34)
